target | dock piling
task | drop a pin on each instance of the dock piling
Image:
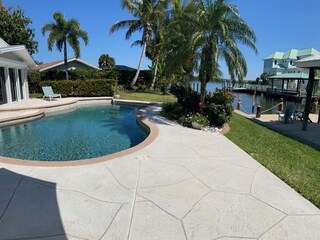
(258, 114)
(239, 105)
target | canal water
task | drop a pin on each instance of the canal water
(247, 100)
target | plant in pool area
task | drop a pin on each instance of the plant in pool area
(196, 121)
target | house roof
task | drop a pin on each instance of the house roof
(50, 65)
(123, 67)
(292, 76)
(293, 54)
(308, 62)
(19, 51)
(275, 55)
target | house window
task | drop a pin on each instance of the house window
(20, 83)
(13, 84)
(3, 97)
(291, 62)
(275, 62)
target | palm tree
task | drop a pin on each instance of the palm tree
(217, 29)
(105, 61)
(62, 32)
(146, 13)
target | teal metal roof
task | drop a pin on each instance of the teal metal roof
(275, 55)
(293, 54)
(307, 52)
(292, 76)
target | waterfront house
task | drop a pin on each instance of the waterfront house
(284, 62)
(15, 60)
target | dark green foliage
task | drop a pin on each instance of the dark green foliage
(14, 29)
(217, 108)
(106, 62)
(34, 78)
(173, 111)
(83, 88)
(125, 77)
(187, 98)
(216, 114)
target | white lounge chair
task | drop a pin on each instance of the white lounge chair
(48, 92)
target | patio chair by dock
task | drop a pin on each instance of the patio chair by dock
(289, 114)
(48, 92)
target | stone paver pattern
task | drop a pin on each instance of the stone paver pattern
(187, 184)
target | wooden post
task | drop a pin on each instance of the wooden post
(308, 100)
(254, 99)
(315, 106)
(258, 114)
(280, 107)
(239, 105)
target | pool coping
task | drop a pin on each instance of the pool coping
(154, 132)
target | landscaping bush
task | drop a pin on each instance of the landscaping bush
(83, 88)
(217, 109)
(34, 78)
(173, 111)
(188, 99)
(125, 77)
(216, 114)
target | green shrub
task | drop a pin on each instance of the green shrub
(188, 99)
(125, 77)
(217, 114)
(173, 111)
(217, 109)
(34, 78)
(83, 88)
(197, 118)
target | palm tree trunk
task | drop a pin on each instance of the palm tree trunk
(65, 59)
(139, 66)
(154, 74)
(167, 90)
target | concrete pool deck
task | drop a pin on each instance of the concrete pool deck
(186, 184)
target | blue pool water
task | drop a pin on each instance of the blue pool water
(87, 132)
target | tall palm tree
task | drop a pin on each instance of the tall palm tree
(146, 12)
(217, 29)
(62, 32)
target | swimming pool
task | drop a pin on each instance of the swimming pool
(87, 132)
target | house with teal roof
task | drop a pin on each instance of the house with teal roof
(284, 62)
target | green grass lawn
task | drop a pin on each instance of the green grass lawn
(295, 163)
(147, 96)
(35, 95)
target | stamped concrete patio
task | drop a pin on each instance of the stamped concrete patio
(187, 184)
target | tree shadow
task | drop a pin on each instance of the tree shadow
(28, 208)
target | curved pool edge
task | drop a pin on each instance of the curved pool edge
(153, 129)
(22, 118)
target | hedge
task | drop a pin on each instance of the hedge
(83, 88)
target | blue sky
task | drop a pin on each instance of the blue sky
(279, 26)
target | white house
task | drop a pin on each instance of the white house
(284, 62)
(14, 63)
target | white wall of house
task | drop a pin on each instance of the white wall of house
(13, 83)
(14, 63)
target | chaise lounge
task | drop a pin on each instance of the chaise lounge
(48, 92)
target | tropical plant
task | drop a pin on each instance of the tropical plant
(146, 13)
(106, 62)
(265, 77)
(64, 31)
(15, 29)
(217, 29)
